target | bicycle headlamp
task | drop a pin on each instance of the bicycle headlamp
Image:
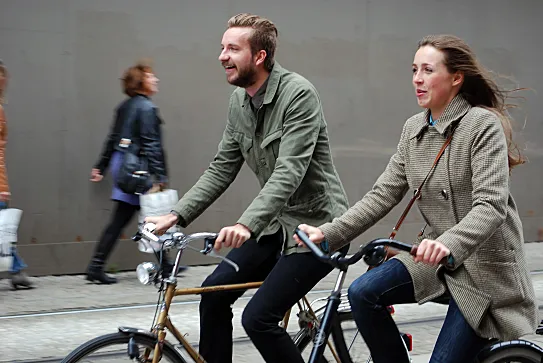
(147, 272)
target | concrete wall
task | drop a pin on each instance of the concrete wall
(66, 57)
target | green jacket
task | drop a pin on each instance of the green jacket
(286, 145)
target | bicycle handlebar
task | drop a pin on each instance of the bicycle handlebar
(374, 253)
(180, 241)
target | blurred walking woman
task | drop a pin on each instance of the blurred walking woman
(17, 275)
(139, 83)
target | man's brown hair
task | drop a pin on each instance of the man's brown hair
(263, 37)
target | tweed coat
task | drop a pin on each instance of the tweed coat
(467, 206)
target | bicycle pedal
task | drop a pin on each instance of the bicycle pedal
(408, 340)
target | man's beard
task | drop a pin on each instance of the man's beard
(246, 77)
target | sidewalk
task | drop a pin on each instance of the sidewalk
(64, 311)
(61, 293)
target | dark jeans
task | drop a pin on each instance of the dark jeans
(122, 214)
(287, 279)
(391, 284)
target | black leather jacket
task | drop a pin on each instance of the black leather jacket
(149, 138)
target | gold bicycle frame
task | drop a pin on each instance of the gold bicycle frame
(164, 321)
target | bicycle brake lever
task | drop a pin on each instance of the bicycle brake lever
(214, 253)
(208, 245)
(210, 251)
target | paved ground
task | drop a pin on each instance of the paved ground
(65, 311)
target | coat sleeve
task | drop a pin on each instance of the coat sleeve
(490, 185)
(109, 145)
(386, 193)
(151, 143)
(215, 180)
(301, 126)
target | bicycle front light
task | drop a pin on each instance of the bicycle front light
(147, 272)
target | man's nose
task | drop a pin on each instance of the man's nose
(223, 56)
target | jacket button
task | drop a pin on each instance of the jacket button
(445, 194)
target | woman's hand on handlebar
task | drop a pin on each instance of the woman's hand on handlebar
(431, 252)
(314, 234)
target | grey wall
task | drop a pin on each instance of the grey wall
(66, 57)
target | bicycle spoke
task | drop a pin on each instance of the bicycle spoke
(352, 341)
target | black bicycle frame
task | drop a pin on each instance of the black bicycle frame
(328, 321)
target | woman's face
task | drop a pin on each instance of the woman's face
(434, 86)
(151, 83)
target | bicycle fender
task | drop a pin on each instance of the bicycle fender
(500, 346)
(136, 331)
(142, 332)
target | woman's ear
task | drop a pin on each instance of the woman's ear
(458, 78)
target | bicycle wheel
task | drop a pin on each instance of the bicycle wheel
(346, 342)
(515, 355)
(112, 348)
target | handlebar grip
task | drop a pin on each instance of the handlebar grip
(305, 239)
(446, 261)
(148, 232)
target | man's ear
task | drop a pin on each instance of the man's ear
(260, 57)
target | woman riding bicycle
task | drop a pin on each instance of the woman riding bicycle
(465, 200)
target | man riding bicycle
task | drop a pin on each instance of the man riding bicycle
(276, 125)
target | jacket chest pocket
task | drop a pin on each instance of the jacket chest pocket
(270, 147)
(270, 144)
(245, 144)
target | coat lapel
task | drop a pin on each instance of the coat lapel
(454, 111)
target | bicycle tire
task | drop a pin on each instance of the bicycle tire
(515, 354)
(103, 341)
(305, 336)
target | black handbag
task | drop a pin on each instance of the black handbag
(133, 176)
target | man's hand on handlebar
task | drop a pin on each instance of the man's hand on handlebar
(431, 252)
(163, 223)
(233, 236)
(314, 234)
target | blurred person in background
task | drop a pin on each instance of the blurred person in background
(139, 84)
(17, 275)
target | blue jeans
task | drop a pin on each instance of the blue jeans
(391, 284)
(18, 264)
